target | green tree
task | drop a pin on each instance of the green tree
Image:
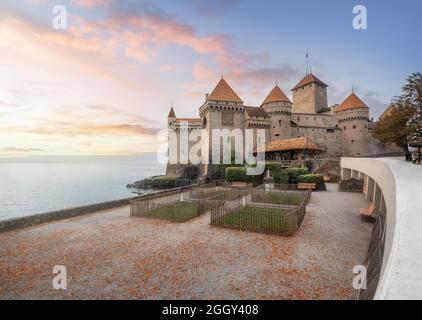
(404, 123)
(394, 128)
(412, 98)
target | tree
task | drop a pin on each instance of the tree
(404, 122)
(412, 97)
(394, 128)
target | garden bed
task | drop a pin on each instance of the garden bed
(266, 211)
(277, 197)
(271, 220)
(178, 211)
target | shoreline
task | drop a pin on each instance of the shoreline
(40, 218)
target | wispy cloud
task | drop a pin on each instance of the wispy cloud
(20, 150)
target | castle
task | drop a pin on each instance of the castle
(339, 130)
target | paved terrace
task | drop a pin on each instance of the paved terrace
(112, 255)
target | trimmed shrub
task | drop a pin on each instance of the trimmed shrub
(318, 179)
(279, 175)
(294, 174)
(237, 174)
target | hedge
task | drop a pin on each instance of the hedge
(294, 174)
(239, 174)
(279, 175)
(318, 179)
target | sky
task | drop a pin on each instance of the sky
(105, 84)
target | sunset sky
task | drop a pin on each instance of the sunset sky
(105, 85)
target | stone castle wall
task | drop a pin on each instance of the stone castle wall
(280, 113)
(310, 98)
(354, 123)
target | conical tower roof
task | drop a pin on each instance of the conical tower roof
(223, 92)
(351, 102)
(276, 95)
(309, 78)
(171, 113)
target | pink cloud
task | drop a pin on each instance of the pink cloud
(171, 68)
(90, 3)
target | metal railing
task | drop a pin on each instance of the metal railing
(272, 212)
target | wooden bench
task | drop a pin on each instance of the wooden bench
(306, 186)
(368, 212)
(239, 184)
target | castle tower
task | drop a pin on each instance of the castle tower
(352, 116)
(310, 95)
(279, 108)
(222, 109)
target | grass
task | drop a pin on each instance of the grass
(177, 212)
(289, 198)
(218, 194)
(266, 220)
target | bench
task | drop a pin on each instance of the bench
(239, 184)
(368, 212)
(306, 186)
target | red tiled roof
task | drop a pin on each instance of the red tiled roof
(223, 92)
(276, 95)
(188, 119)
(351, 102)
(309, 78)
(256, 112)
(302, 143)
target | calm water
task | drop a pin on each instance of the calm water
(36, 185)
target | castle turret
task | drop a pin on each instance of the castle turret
(352, 116)
(310, 95)
(278, 106)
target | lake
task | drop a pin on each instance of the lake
(40, 184)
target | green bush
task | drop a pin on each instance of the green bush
(237, 174)
(294, 174)
(279, 175)
(318, 179)
(160, 183)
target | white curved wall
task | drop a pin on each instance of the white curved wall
(401, 186)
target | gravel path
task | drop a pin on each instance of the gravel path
(109, 255)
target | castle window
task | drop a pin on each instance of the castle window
(353, 141)
(277, 135)
(344, 128)
(354, 126)
(279, 123)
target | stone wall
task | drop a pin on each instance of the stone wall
(310, 98)
(351, 185)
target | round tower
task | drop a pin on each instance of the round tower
(279, 108)
(352, 117)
